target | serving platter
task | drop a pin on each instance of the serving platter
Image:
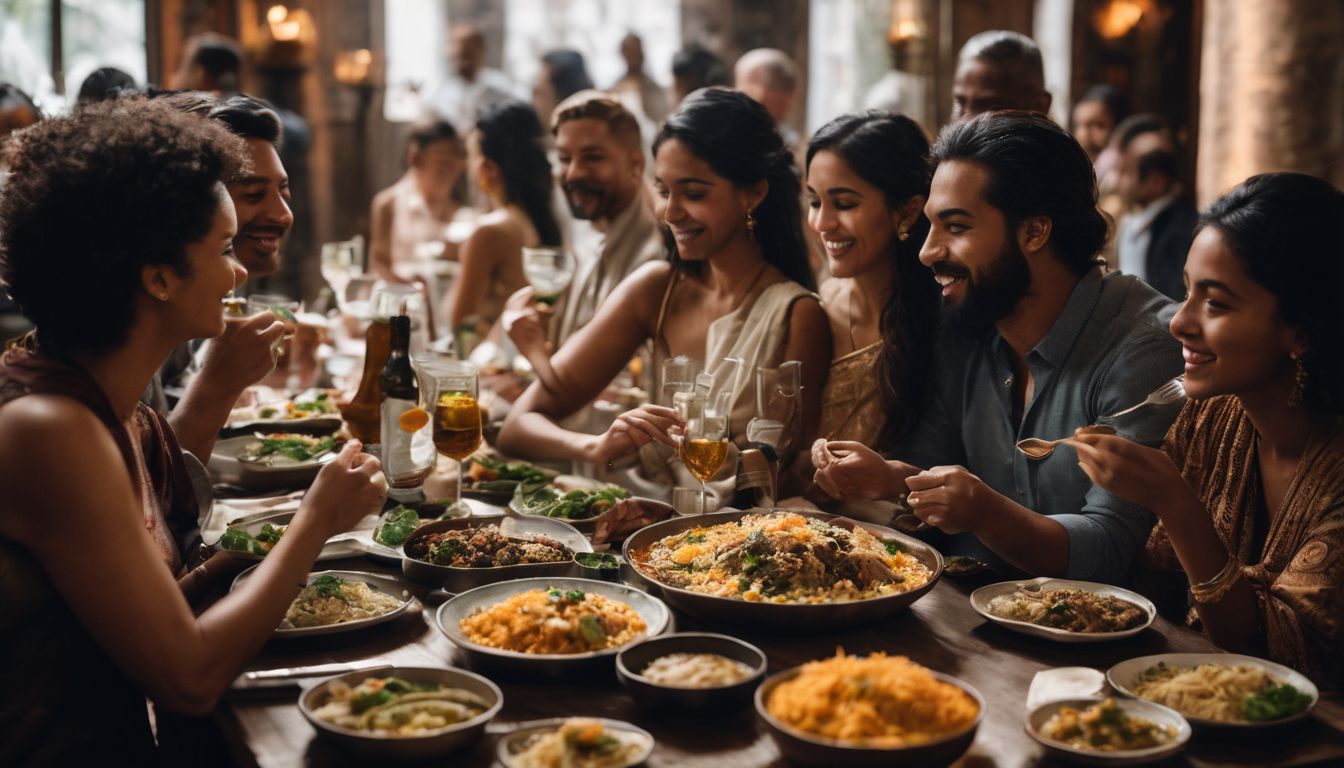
(982, 597)
(1038, 717)
(388, 585)
(657, 619)
(349, 544)
(456, 579)
(1125, 677)
(780, 616)
(225, 466)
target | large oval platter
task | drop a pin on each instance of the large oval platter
(782, 616)
(388, 585)
(981, 598)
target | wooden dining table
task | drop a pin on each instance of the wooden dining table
(941, 631)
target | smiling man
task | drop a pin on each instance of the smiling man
(1038, 343)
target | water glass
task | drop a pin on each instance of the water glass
(549, 270)
(457, 415)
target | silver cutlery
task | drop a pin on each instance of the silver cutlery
(1170, 392)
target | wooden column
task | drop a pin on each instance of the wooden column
(1271, 91)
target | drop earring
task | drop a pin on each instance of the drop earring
(1299, 383)
(751, 226)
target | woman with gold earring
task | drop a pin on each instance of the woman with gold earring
(1249, 485)
(507, 158)
(867, 180)
(736, 284)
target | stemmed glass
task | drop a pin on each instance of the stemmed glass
(457, 417)
(704, 444)
(777, 407)
(339, 267)
(549, 270)
(678, 382)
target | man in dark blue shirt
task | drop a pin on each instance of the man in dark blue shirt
(1037, 343)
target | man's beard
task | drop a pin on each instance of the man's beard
(993, 294)
(596, 209)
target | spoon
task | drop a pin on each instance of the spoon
(1036, 448)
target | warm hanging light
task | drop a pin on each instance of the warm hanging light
(353, 67)
(1115, 19)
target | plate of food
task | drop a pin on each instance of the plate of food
(1065, 610)
(254, 537)
(458, 555)
(311, 412)
(402, 713)
(784, 569)
(272, 460)
(691, 672)
(340, 601)
(898, 713)
(496, 480)
(1217, 691)
(1107, 731)
(550, 627)
(603, 512)
(591, 742)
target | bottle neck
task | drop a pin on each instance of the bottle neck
(398, 378)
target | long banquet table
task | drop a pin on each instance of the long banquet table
(940, 631)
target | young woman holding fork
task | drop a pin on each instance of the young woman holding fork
(1249, 486)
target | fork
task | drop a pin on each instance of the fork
(1167, 393)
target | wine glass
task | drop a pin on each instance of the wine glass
(678, 382)
(776, 423)
(704, 445)
(457, 417)
(549, 270)
(339, 267)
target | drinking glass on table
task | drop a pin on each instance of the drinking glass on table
(549, 270)
(678, 382)
(339, 266)
(287, 310)
(704, 445)
(457, 417)
(777, 408)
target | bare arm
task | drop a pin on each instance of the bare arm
(123, 594)
(586, 364)
(237, 359)
(380, 235)
(476, 262)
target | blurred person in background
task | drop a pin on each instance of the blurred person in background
(563, 73)
(1094, 118)
(695, 67)
(1153, 239)
(770, 77)
(999, 69)
(420, 205)
(901, 89)
(636, 85)
(469, 86)
(17, 111)
(507, 160)
(600, 166)
(105, 83)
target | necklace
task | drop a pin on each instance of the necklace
(737, 301)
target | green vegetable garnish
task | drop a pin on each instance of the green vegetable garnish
(574, 505)
(893, 546)
(364, 700)
(398, 525)
(236, 540)
(1274, 703)
(592, 630)
(600, 560)
(327, 586)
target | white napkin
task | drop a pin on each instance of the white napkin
(1064, 683)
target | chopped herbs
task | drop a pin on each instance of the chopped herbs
(398, 525)
(1274, 703)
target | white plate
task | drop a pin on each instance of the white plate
(518, 740)
(1156, 713)
(353, 543)
(1124, 676)
(225, 466)
(388, 585)
(981, 598)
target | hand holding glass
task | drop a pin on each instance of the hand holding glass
(549, 270)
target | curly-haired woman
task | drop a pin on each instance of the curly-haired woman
(115, 239)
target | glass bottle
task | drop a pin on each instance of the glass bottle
(363, 413)
(407, 443)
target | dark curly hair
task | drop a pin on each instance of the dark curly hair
(1035, 169)
(738, 138)
(510, 136)
(96, 196)
(891, 153)
(1283, 228)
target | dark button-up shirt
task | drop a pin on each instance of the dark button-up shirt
(1108, 349)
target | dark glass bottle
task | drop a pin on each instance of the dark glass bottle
(408, 448)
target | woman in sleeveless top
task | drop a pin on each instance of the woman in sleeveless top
(420, 205)
(507, 158)
(867, 180)
(736, 283)
(116, 233)
(1249, 486)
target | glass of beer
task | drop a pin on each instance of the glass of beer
(457, 416)
(704, 444)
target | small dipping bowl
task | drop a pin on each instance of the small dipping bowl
(603, 566)
(632, 661)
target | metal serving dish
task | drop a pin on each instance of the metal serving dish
(456, 580)
(826, 617)
(536, 666)
(631, 662)
(377, 747)
(982, 597)
(807, 749)
(1038, 717)
(651, 508)
(225, 466)
(388, 585)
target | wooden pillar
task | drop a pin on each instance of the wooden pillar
(1271, 91)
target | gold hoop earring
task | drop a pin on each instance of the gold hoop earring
(751, 226)
(1299, 383)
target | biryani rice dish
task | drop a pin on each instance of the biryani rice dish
(486, 547)
(874, 701)
(395, 707)
(329, 600)
(783, 557)
(1236, 693)
(554, 621)
(1071, 610)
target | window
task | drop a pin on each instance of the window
(93, 34)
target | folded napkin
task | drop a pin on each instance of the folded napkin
(1064, 683)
